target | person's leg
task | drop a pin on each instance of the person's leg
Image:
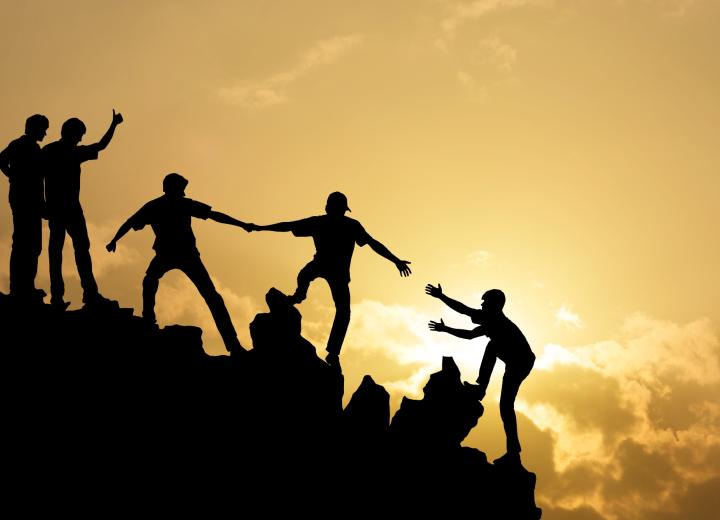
(195, 270)
(26, 247)
(340, 291)
(157, 268)
(306, 275)
(55, 252)
(77, 229)
(511, 384)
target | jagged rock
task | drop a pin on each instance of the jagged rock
(442, 419)
(102, 406)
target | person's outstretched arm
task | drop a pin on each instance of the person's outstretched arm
(439, 326)
(437, 292)
(105, 141)
(227, 219)
(121, 232)
(280, 227)
(402, 265)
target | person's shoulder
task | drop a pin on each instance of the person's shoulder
(54, 145)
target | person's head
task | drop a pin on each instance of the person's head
(73, 130)
(337, 204)
(36, 127)
(174, 185)
(493, 301)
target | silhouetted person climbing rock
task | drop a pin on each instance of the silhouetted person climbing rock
(61, 162)
(507, 343)
(20, 162)
(335, 236)
(170, 218)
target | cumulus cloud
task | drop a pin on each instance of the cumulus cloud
(638, 414)
(461, 13)
(479, 257)
(566, 317)
(497, 53)
(179, 302)
(273, 89)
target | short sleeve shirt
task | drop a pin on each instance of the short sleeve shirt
(170, 219)
(507, 340)
(61, 164)
(335, 238)
(22, 157)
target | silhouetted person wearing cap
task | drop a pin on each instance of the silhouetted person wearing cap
(61, 161)
(335, 236)
(20, 162)
(170, 217)
(507, 343)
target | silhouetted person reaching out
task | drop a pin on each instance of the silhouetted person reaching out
(507, 343)
(170, 218)
(20, 161)
(62, 161)
(335, 236)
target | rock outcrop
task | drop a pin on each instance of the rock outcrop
(103, 412)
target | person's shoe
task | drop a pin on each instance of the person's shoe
(296, 298)
(149, 322)
(235, 349)
(509, 459)
(98, 300)
(474, 390)
(59, 304)
(333, 360)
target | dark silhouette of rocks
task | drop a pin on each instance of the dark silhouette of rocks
(102, 412)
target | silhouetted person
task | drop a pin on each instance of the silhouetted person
(21, 163)
(507, 343)
(170, 218)
(335, 236)
(61, 161)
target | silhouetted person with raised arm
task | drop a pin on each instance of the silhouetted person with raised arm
(62, 161)
(507, 343)
(170, 217)
(335, 236)
(20, 162)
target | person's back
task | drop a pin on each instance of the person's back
(507, 340)
(171, 221)
(334, 237)
(25, 173)
(62, 163)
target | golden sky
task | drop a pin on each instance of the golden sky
(565, 151)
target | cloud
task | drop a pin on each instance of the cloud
(479, 257)
(497, 53)
(461, 13)
(566, 317)
(273, 89)
(637, 414)
(179, 302)
(103, 262)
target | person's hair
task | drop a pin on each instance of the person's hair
(36, 122)
(174, 182)
(73, 127)
(495, 297)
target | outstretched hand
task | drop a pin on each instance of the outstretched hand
(250, 227)
(437, 326)
(117, 118)
(402, 266)
(111, 246)
(435, 292)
